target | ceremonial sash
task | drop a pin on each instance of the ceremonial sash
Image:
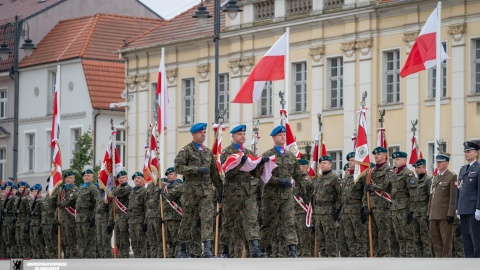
(69, 209)
(307, 208)
(175, 207)
(121, 206)
(382, 193)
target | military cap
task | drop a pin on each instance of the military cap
(164, 180)
(169, 170)
(419, 162)
(2, 187)
(9, 184)
(22, 184)
(239, 128)
(378, 150)
(197, 127)
(350, 155)
(68, 173)
(278, 129)
(15, 187)
(121, 173)
(137, 174)
(27, 185)
(399, 154)
(37, 187)
(303, 162)
(345, 167)
(325, 158)
(442, 156)
(470, 146)
(87, 171)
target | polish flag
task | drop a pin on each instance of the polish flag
(250, 164)
(416, 153)
(150, 166)
(291, 143)
(56, 172)
(362, 157)
(382, 138)
(424, 51)
(56, 111)
(270, 68)
(217, 146)
(108, 171)
(316, 155)
(162, 96)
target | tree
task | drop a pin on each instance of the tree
(83, 157)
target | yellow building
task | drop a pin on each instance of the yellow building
(338, 49)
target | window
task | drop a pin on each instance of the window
(154, 99)
(75, 134)
(266, 100)
(476, 66)
(49, 153)
(3, 104)
(188, 91)
(337, 161)
(335, 82)
(30, 142)
(52, 81)
(223, 95)
(431, 154)
(392, 149)
(3, 163)
(120, 145)
(391, 76)
(300, 86)
(433, 77)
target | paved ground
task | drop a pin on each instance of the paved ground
(263, 264)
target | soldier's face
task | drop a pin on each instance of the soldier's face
(199, 136)
(21, 189)
(69, 179)
(399, 162)
(304, 168)
(325, 165)
(238, 137)
(7, 189)
(470, 155)
(279, 139)
(420, 169)
(87, 178)
(34, 193)
(380, 157)
(351, 163)
(14, 191)
(123, 179)
(138, 181)
(442, 165)
(172, 176)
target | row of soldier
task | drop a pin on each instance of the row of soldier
(261, 219)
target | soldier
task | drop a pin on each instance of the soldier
(137, 224)
(457, 240)
(304, 233)
(441, 207)
(240, 199)
(121, 195)
(2, 243)
(20, 219)
(7, 215)
(49, 229)
(171, 210)
(353, 215)
(277, 204)
(34, 225)
(419, 196)
(380, 186)
(85, 216)
(154, 220)
(104, 224)
(468, 201)
(197, 164)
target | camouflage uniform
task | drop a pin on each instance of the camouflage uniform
(304, 233)
(22, 239)
(326, 195)
(154, 222)
(7, 231)
(137, 208)
(49, 228)
(457, 240)
(277, 204)
(121, 195)
(419, 196)
(172, 218)
(198, 191)
(239, 199)
(382, 175)
(68, 199)
(103, 219)
(3, 247)
(85, 220)
(355, 231)
(35, 220)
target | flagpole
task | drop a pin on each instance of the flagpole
(438, 74)
(287, 67)
(113, 179)
(159, 170)
(161, 128)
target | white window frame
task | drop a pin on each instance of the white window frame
(73, 140)
(192, 102)
(431, 79)
(30, 151)
(303, 85)
(337, 160)
(338, 79)
(3, 163)
(52, 81)
(49, 154)
(224, 91)
(391, 149)
(395, 73)
(3, 103)
(120, 144)
(266, 100)
(475, 85)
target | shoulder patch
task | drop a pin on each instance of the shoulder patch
(390, 175)
(182, 150)
(410, 174)
(412, 181)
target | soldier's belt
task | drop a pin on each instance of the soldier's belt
(354, 201)
(84, 210)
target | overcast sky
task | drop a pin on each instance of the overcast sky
(170, 8)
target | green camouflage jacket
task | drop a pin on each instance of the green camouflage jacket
(85, 204)
(137, 206)
(326, 193)
(401, 186)
(121, 196)
(172, 193)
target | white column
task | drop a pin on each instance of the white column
(350, 103)
(317, 7)
(365, 84)
(413, 108)
(280, 10)
(235, 84)
(248, 14)
(316, 99)
(171, 138)
(202, 94)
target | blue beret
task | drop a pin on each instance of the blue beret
(137, 174)
(87, 171)
(419, 162)
(325, 158)
(399, 154)
(121, 173)
(239, 128)
(197, 127)
(279, 129)
(2, 187)
(350, 155)
(442, 156)
(379, 150)
(68, 173)
(303, 162)
(169, 170)
(14, 187)
(470, 146)
(22, 184)
(9, 184)
(37, 187)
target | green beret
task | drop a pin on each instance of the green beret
(441, 156)
(121, 173)
(399, 154)
(303, 162)
(379, 150)
(419, 162)
(372, 165)
(137, 174)
(169, 170)
(68, 173)
(350, 155)
(87, 171)
(345, 167)
(325, 158)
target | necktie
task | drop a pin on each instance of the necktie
(468, 167)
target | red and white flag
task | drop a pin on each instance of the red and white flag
(56, 172)
(416, 153)
(162, 96)
(108, 171)
(217, 146)
(270, 68)
(250, 164)
(291, 143)
(382, 138)
(362, 157)
(424, 51)
(150, 166)
(56, 177)
(316, 155)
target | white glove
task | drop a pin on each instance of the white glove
(456, 212)
(477, 214)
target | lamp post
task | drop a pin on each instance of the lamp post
(202, 16)
(308, 148)
(20, 30)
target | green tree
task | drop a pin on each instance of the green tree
(83, 157)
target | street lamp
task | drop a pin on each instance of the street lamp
(20, 30)
(202, 16)
(308, 148)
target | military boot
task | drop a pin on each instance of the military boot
(292, 251)
(225, 253)
(256, 252)
(207, 250)
(182, 252)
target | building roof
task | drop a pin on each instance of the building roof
(23, 8)
(182, 27)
